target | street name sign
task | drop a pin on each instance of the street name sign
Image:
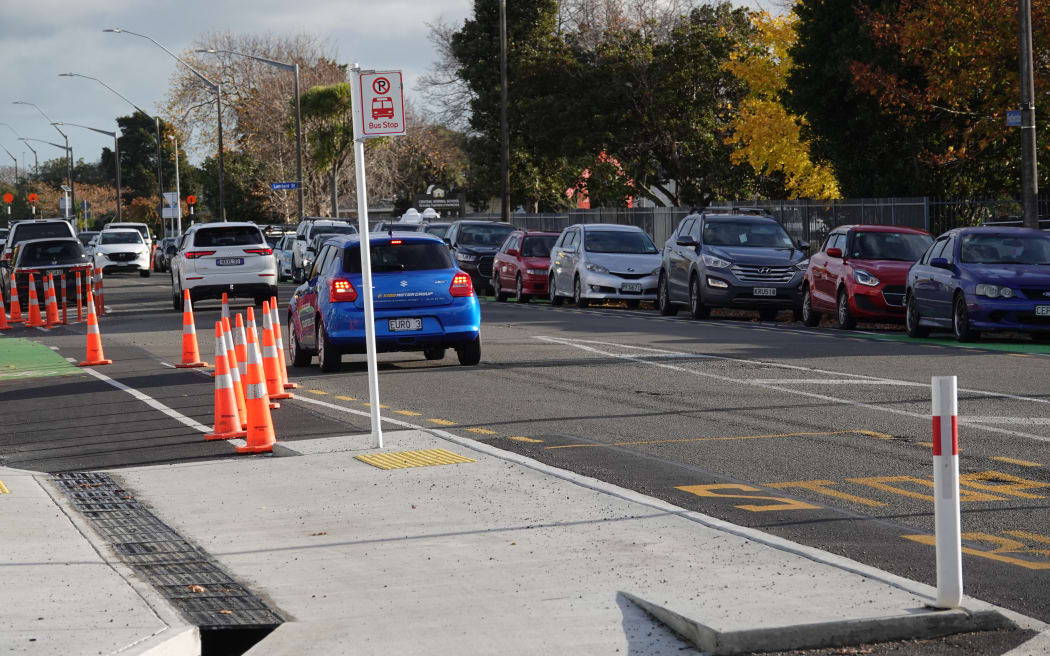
(1013, 118)
(284, 185)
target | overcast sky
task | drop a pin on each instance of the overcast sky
(41, 38)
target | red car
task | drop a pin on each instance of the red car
(521, 265)
(860, 274)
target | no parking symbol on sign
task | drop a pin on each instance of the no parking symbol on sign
(382, 104)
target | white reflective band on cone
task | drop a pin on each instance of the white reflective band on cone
(256, 391)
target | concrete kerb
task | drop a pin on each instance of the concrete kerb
(178, 638)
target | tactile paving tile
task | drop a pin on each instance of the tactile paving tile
(405, 459)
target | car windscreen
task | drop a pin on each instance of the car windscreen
(334, 230)
(229, 236)
(86, 237)
(143, 230)
(119, 237)
(410, 256)
(617, 241)
(27, 231)
(903, 247)
(538, 246)
(437, 230)
(758, 234)
(1005, 249)
(52, 253)
(483, 235)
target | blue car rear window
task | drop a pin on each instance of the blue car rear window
(410, 256)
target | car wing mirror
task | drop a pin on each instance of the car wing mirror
(835, 252)
(686, 241)
(803, 244)
(940, 263)
(171, 250)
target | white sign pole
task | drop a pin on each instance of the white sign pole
(366, 259)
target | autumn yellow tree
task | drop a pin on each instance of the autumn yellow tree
(765, 134)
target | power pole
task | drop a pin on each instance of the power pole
(503, 129)
(1029, 165)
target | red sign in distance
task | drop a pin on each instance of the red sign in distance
(191, 200)
(9, 198)
(33, 198)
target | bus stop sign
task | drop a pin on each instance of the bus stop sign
(382, 104)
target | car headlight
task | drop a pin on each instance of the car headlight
(656, 271)
(466, 257)
(994, 291)
(716, 262)
(536, 272)
(804, 264)
(864, 278)
(597, 268)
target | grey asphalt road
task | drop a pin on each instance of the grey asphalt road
(818, 436)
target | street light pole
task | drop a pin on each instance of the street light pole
(294, 68)
(69, 151)
(1029, 165)
(116, 154)
(156, 126)
(503, 125)
(36, 162)
(214, 86)
(16, 162)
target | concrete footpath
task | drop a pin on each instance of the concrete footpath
(494, 553)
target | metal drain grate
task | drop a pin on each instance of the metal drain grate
(182, 573)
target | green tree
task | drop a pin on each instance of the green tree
(328, 126)
(245, 200)
(138, 158)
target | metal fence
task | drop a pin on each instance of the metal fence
(806, 219)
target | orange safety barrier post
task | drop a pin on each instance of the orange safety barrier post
(16, 309)
(225, 306)
(277, 337)
(253, 336)
(260, 424)
(191, 357)
(3, 314)
(65, 311)
(94, 354)
(80, 300)
(227, 421)
(235, 371)
(272, 359)
(101, 300)
(35, 321)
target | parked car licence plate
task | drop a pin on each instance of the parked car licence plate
(402, 325)
(1042, 310)
(631, 287)
(229, 261)
(764, 291)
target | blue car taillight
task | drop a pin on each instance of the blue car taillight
(341, 290)
(461, 285)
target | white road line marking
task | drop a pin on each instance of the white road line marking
(53, 348)
(832, 381)
(582, 345)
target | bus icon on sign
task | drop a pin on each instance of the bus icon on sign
(382, 107)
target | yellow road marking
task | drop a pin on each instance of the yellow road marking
(711, 491)
(519, 438)
(1003, 546)
(724, 439)
(482, 431)
(369, 405)
(442, 422)
(320, 392)
(1014, 461)
(3, 488)
(1003, 484)
(406, 412)
(822, 487)
(883, 483)
(929, 445)
(346, 398)
(1019, 355)
(405, 459)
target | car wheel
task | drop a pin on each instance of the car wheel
(497, 290)
(328, 358)
(296, 355)
(768, 314)
(519, 289)
(697, 309)
(961, 321)
(470, 354)
(844, 317)
(663, 298)
(555, 299)
(809, 318)
(577, 294)
(434, 353)
(912, 319)
(176, 296)
(144, 273)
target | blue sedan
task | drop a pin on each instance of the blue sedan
(423, 302)
(982, 279)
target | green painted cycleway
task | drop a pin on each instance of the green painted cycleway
(1007, 347)
(21, 358)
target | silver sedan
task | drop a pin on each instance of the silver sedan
(597, 262)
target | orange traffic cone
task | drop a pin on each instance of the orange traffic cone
(225, 306)
(227, 421)
(16, 309)
(34, 306)
(272, 359)
(235, 371)
(3, 315)
(253, 336)
(191, 356)
(279, 339)
(240, 347)
(260, 423)
(94, 339)
(52, 302)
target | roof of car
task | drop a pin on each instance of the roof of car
(994, 230)
(498, 223)
(873, 227)
(123, 230)
(37, 241)
(738, 217)
(538, 233)
(607, 226)
(382, 238)
(222, 224)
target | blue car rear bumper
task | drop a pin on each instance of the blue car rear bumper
(445, 326)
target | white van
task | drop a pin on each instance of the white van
(141, 227)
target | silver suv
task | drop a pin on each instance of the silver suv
(304, 235)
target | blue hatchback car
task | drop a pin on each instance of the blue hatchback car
(981, 279)
(423, 302)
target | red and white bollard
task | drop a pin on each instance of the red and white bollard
(946, 492)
